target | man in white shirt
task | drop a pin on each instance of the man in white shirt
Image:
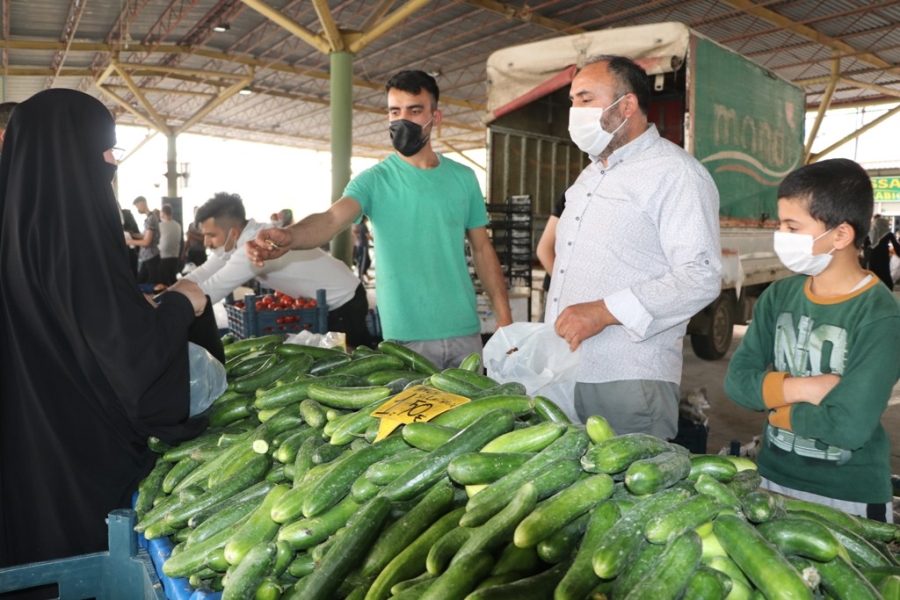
(637, 253)
(224, 225)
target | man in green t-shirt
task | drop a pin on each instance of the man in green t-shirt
(422, 207)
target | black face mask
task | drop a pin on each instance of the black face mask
(406, 136)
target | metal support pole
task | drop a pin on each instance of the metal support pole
(172, 167)
(341, 142)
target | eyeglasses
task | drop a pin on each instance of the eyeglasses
(118, 153)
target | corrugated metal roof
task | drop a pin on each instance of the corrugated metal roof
(450, 38)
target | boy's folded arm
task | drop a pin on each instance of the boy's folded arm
(811, 390)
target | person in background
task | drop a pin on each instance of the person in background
(132, 232)
(274, 220)
(148, 243)
(90, 368)
(882, 240)
(169, 245)
(637, 253)
(895, 266)
(285, 217)
(194, 248)
(426, 298)
(224, 225)
(363, 236)
(820, 355)
(546, 251)
(5, 112)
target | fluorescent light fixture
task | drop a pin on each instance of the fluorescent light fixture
(245, 92)
(221, 27)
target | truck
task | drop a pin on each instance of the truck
(740, 120)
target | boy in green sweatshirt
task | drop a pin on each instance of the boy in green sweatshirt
(822, 352)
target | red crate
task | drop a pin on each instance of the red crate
(249, 322)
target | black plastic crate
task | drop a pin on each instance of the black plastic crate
(249, 322)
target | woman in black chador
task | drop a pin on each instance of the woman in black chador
(88, 367)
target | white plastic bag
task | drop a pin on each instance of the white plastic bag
(535, 356)
(207, 378)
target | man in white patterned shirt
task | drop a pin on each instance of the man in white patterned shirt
(637, 253)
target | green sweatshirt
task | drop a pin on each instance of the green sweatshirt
(838, 448)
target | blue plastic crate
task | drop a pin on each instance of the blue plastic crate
(249, 322)
(125, 571)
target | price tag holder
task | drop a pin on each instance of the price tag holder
(415, 405)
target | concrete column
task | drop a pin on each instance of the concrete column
(172, 167)
(341, 142)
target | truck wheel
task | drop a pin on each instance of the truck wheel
(714, 343)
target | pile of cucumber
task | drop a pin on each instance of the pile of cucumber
(287, 495)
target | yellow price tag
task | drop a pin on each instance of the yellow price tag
(415, 405)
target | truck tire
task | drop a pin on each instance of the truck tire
(714, 342)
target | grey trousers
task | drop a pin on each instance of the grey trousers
(448, 352)
(635, 406)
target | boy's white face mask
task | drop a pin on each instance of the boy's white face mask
(223, 251)
(795, 250)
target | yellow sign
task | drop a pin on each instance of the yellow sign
(887, 189)
(415, 405)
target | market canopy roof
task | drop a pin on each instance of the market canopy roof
(177, 65)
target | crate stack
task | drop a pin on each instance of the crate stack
(510, 229)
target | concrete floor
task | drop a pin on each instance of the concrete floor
(728, 421)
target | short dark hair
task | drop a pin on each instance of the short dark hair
(223, 207)
(5, 112)
(167, 210)
(836, 191)
(140, 199)
(631, 77)
(413, 82)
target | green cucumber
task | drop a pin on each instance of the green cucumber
(326, 364)
(347, 551)
(195, 557)
(763, 564)
(528, 439)
(482, 382)
(306, 533)
(267, 374)
(258, 528)
(286, 452)
(615, 549)
(516, 560)
(336, 483)
(249, 574)
(466, 414)
(313, 351)
(410, 358)
(247, 344)
(444, 549)
(598, 429)
(386, 376)
(366, 365)
(298, 390)
(642, 562)
(250, 365)
(488, 501)
(558, 510)
(431, 468)
(762, 506)
(452, 385)
(353, 426)
(616, 454)
(313, 413)
(150, 487)
(326, 453)
(665, 526)
(303, 462)
(404, 531)
(861, 551)
(476, 468)
(539, 586)
(363, 490)
(460, 578)
(386, 470)
(302, 565)
(580, 579)
(889, 588)
(251, 494)
(347, 398)
(499, 529)
(708, 584)
(801, 537)
(426, 435)
(471, 363)
(564, 542)
(512, 388)
(745, 482)
(549, 411)
(709, 486)
(410, 561)
(223, 519)
(727, 567)
(184, 450)
(843, 581)
(226, 413)
(717, 467)
(650, 475)
(671, 571)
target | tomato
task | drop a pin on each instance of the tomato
(281, 320)
(278, 294)
(260, 305)
(286, 301)
(239, 304)
(312, 304)
(273, 307)
(267, 300)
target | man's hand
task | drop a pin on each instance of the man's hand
(809, 389)
(193, 293)
(578, 322)
(269, 244)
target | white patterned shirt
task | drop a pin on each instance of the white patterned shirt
(642, 234)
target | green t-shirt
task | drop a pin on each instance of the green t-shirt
(419, 220)
(838, 448)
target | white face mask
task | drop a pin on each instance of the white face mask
(222, 251)
(795, 250)
(587, 132)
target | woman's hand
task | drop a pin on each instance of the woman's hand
(193, 293)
